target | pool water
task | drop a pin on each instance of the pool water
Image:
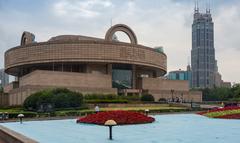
(178, 128)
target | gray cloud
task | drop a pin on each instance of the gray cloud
(80, 9)
(156, 22)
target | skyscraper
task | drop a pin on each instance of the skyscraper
(4, 78)
(203, 52)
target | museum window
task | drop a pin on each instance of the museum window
(122, 76)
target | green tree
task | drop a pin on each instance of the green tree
(217, 94)
(59, 98)
(236, 91)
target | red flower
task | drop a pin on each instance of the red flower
(228, 116)
(231, 116)
(121, 117)
(220, 109)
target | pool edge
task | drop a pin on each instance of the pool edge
(9, 136)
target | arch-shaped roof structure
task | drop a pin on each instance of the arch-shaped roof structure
(27, 38)
(124, 28)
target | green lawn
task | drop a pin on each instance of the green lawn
(222, 113)
(10, 110)
(76, 112)
(142, 108)
(138, 109)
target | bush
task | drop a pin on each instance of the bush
(100, 96)
(162, 100)
(26, 114)
(107, 101)
(109, 98)
(147, 97)
(55, 98)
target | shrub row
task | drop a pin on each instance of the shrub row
(111, 98)
(82, 113)
(26, 114)
(54, 98)
(147, 97)
(107, 101)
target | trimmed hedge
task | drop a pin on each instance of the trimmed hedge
(57, 98)
(109, 98)
(26, 114)
(106, 101)
(147, 97)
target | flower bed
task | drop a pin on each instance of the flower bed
(232, 116)
(224, 113)
(120, 117)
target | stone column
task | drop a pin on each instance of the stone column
(109, 69)
(88, 70)
(134, 76)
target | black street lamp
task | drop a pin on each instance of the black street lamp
(20, 116)
(146, 112)
(110, 124)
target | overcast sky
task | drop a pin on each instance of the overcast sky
(164, 23)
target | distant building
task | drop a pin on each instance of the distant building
(226, 84)
(181, 75)
(217, 76)
(218, 79)
(159, 49)
(204, 71)
(4, 78)
(203, 52)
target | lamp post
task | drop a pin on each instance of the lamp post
(20, 116)
(146, 112)
(110, 124)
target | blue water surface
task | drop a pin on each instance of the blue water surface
(178, 128)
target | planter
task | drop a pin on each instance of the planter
(121, 117)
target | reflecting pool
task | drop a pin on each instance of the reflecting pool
(177, 128)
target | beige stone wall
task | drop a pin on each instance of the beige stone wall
(17, 96)
(83, 51)
(8, 87)
(79, 82)
(185, 96)
(4, 99)
(67, 79)
(163, 84)
(169, 89)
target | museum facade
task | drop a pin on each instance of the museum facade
(91, 65)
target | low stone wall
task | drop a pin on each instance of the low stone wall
(66, 79)
(185, 96)
(10, 136)
(163, 84)
(17, 96)
(79, 82)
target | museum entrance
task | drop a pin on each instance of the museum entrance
(122, 76)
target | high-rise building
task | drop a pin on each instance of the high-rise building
(217, 76)
(203, 52)
(4, 78)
